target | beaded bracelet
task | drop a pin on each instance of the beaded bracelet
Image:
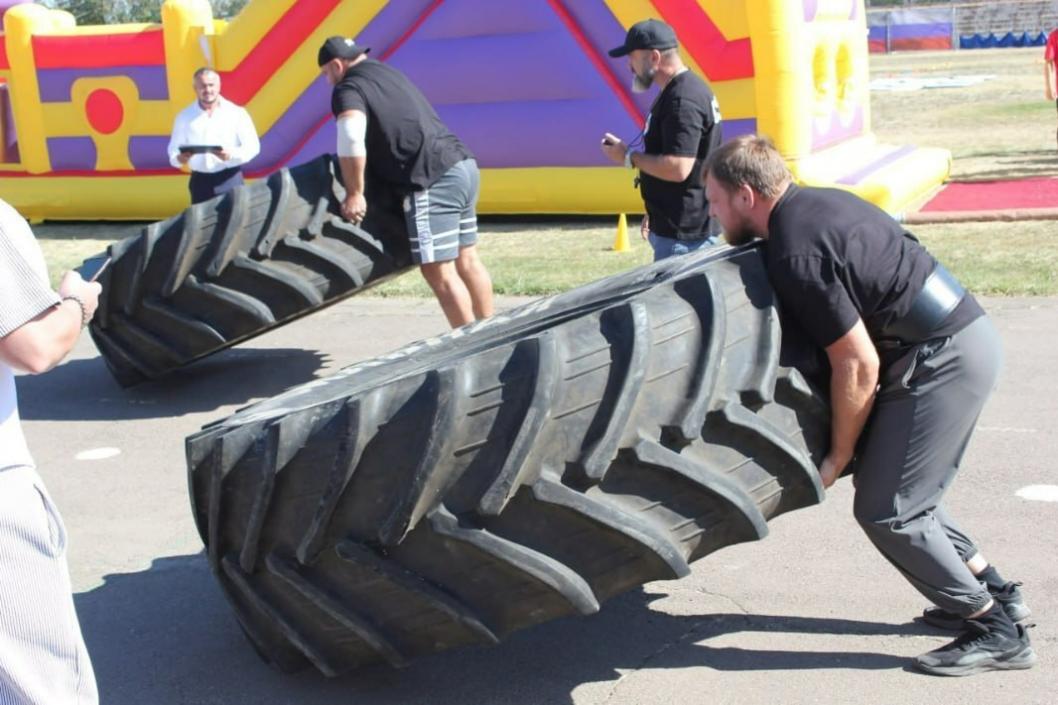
(84, 309)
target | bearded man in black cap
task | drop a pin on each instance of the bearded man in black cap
(387, 130)
(682, 127)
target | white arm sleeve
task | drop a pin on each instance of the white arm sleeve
(249, 143)
(352, 132)
(175, 141)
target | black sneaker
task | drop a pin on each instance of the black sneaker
(1009, 598)
(977, 650)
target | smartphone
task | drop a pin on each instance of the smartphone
(93, 267)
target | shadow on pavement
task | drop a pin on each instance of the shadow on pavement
(83, 389)
(166, 635)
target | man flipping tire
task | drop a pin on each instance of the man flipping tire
(388, 130)
(912, 359)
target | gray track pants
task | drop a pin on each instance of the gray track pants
(919, 429)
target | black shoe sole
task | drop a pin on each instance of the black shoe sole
(1026, 658)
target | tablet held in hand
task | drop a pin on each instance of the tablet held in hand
(200, 148)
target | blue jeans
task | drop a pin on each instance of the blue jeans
(668, 246)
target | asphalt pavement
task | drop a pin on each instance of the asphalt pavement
(810, 614)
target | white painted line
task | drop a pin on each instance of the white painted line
(1039, 493)
(98, 454)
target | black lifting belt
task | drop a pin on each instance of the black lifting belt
(939, 296)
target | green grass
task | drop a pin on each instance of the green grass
(993, 259)
(998, 259)
(67, 245)
(62, 255)
(541, 258)
(1004, 121)
(1038, 111)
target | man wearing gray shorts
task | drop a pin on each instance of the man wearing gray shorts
(910, 359)
(42, 654)
(388, 131)
(441, 219)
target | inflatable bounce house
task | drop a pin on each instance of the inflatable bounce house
(86, 111)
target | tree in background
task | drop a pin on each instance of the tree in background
(120, 11)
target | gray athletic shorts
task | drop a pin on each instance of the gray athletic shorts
(443, 218)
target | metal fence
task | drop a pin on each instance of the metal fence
(1024, 16)
(905, 25)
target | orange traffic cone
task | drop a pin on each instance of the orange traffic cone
(620, 243)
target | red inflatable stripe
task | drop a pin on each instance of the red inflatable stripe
(597, 60)
(719, 58)
(4, 63)
(391, 50)
(89, 51)
(276, 48)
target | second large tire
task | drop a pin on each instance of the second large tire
(239, 265)
(517, 470)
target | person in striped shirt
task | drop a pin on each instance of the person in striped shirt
(43, 658)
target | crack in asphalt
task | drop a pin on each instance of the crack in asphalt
(741, 608)
(694, 628)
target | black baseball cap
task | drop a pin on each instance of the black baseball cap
(340, 48)
(648, 34)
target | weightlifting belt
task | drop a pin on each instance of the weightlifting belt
(939, 296)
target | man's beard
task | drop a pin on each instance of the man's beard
(642, 84)
(740, 235)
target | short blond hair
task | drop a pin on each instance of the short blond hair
(749, 160)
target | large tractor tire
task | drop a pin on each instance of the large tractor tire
(517, 470)
(237, 266)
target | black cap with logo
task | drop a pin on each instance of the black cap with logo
(648, 34)
(340, 48)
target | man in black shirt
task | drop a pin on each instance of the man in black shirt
(912, 360)
(682, 127)
(382, 115)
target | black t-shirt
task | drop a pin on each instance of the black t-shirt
(834, 258)
(685, 122)
(408, 147)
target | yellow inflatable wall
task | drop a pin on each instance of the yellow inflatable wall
(86, 111)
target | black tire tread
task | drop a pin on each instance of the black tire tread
(531, 467)
(237, 266)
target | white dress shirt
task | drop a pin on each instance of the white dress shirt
(228, 126)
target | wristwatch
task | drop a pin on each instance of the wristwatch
(628, 159)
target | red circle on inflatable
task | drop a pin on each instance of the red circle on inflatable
(104, 110)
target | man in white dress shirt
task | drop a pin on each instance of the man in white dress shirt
(213, 137)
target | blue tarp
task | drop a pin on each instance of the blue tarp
(1010, 39)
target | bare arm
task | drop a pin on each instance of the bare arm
(666, 167)
(354, 207)
(853, 384)
(42, 343)
(1050, 88)
(353, 169)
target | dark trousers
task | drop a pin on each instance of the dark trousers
(205, 186)
(918, 432)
